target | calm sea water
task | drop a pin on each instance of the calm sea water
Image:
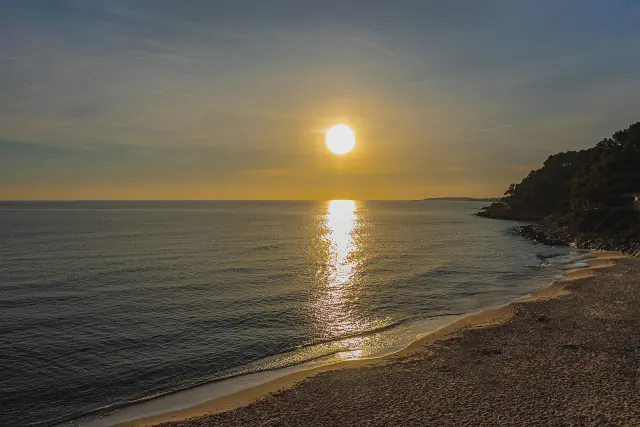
(104, 303)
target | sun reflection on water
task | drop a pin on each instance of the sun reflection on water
(344, 328)
(340, 222)
(335, 309)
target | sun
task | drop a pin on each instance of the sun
(340, 139)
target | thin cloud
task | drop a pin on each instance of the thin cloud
(496, 128)
(373, 45)
(425, 81)
(269, 172)
(453, 169)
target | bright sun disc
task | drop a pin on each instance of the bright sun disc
(340, 139)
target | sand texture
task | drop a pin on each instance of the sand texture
(568, 357)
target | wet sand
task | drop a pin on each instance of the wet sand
(568, 355)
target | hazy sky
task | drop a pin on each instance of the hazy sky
(229, 99)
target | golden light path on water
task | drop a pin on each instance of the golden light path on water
(340, 247)
(334, 315)
(335, 310)
(341, 221)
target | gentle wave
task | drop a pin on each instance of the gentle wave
(243, 371)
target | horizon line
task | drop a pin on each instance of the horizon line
(233, 200)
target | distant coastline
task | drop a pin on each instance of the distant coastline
(465, 199)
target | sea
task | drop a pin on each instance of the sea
(107, 306)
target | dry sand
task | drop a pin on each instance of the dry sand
(567, 356)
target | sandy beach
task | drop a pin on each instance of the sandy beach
(568, 355)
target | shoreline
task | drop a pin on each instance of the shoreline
(242, 389)
(566, 355)
(486, 317)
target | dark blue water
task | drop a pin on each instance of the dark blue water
(103, 303)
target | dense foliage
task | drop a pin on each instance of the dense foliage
(589, 190)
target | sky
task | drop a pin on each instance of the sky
(211, 99)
